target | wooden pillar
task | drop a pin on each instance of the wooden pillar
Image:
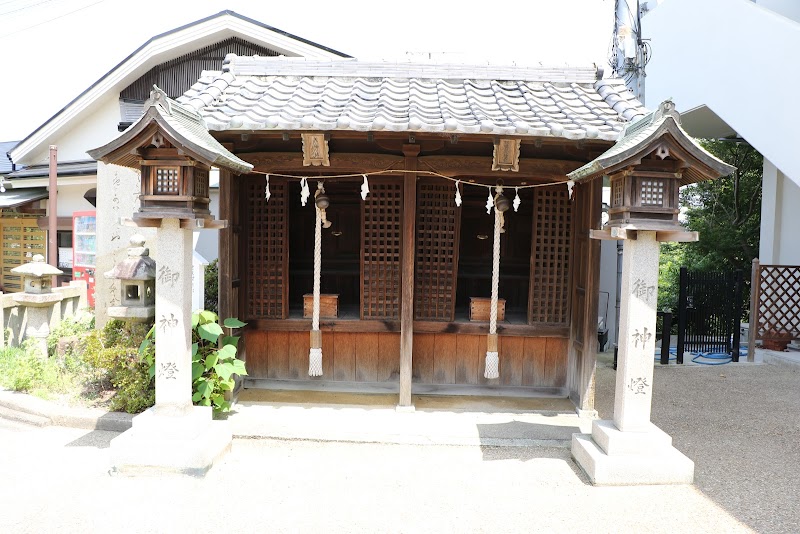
(226, 247)
(755, 296)
(407, 300)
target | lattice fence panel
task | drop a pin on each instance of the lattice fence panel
(20, 239)
(267, 250)
(552, 219)
(382, 245)
(436, 250)
(779, 300)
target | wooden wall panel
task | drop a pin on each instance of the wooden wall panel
(556, 365)
(328, 355)
(344, 356)
(470, 358)
(388, 357)
(424, 354)
(256, 346)
(367, 350)
(444, 363)
(511, 357)
(278, 355)
(299, 345)
(533, 361)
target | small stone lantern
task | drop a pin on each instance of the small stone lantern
(137, 280)
(38, 298)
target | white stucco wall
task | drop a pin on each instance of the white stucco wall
(96, 130)
(780, 218)
(70, 199)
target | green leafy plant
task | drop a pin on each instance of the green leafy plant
(212, 286)
(214, 361)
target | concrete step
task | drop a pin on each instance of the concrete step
(23, 417)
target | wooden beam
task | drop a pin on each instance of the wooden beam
(226, 248)
(612, 233)
(678, 236)
(540, 169)
(407, 268)
(339, 163)
(62, 223)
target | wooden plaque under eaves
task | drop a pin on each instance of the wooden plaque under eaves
(382, 244)
(437, 228)
(550, 253)
(267, 250)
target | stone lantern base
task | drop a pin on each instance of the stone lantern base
(158, 443)
(611, 457)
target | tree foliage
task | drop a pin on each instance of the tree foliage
(727, 214)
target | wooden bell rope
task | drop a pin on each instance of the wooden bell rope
(315, 354)
(492, 354)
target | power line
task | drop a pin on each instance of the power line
(24, 8)
(50, 20)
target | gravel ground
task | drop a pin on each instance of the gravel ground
(739, 425)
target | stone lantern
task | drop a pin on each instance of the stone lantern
(37, 298)
(137, 276)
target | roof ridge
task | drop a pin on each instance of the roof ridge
(351, 67)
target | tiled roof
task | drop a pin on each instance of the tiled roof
(641, 135)
(68, 168)
(5, 163)
(279, 93)
(182, 124)
(17, 197)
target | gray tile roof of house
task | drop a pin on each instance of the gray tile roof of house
(5, 163)
(184, 125)
(641, 135)
(68, 168)
(280, 93)
(17, 197)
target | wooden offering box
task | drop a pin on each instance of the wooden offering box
(479, 309)
(328, 306)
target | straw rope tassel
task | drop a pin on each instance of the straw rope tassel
(492, 355)
(315, 354)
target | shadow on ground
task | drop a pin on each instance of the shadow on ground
(99, 439)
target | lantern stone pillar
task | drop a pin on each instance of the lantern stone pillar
(630, 449)
(174, 153)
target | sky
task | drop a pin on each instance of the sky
(52, 50)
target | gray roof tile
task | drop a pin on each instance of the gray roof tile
(256, 93)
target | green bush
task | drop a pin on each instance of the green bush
(212, 286)
(24, 369)
(76, 326)
(114, 361)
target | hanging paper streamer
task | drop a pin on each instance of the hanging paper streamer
(267, 194)
(304, 192)
(517, 200)
(570, 185)
(489, 202)
(364, 188)
(458, 194)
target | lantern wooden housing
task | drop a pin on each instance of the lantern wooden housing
(173, 185)
(647, 166)
(174, 151)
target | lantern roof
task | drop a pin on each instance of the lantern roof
(182, 126)
(137, 266)
(660, 129)
(37, 267)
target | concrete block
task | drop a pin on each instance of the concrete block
(664, 465)
(614, 442)
(159, 445)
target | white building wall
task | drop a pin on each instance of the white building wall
(70, 199)
(780, 218)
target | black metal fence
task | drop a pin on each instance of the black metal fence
(709, 311)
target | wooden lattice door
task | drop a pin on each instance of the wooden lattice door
(437, 253)
(21, 239)
(548, 300)
(382, 244)
(267, 249)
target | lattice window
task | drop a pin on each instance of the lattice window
(617, 188)
(167, 181)
(779, 300)
(436, 252)
(267, 250)
(382, 245)
(552, 218)
(201, 183)
(652, 193)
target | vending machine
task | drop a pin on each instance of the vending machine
(84, 249)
